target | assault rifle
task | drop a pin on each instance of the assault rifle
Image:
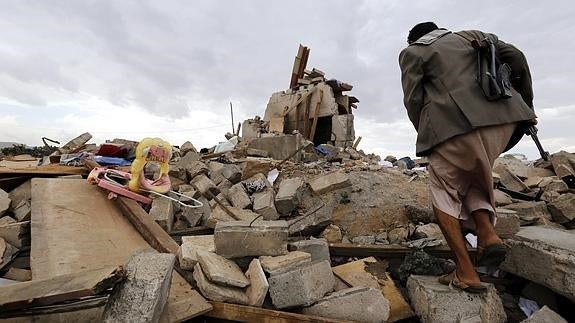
(532, 131)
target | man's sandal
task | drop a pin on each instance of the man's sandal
(451, 279)
(491, 256)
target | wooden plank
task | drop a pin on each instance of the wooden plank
(147, 226)
(53, 170)
(355, 275)
(59, 288)
(243, 313)
(75, 228)
(299, 100)
(45, 311)
(389, 251)
(306, 120)
(311, 135)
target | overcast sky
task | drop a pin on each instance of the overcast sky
(132, 69)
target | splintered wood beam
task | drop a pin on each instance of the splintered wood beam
(311, 135)
(59, 288)
(241, 313)
(147, 226)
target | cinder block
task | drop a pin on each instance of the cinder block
(235, 239)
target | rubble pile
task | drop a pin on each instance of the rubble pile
(289, 221)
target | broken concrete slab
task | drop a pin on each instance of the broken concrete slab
(218, 293)
(6, 252)
(188, 254)
(162, 211)
(438, 303)
(302, 287)
(278, 147)
(329, 182)
(232, 173)
(21, 193)
(14, 233)
(545, 315)
(550, 253)
(332, 234)
(563, 208)
(317, 248)
(4, 202)
(218, 215)
(264, 204)
(533, 182)
(187, 147)
(224, 186)
(5, 220)
(289, 195)
(257, 152)
(501, 198)
(22, 211)
(555, 186)
(255, 166)
(530, 212)
(195, 168)
(361, 304)
(221, 271)
(507, 224)
(193, 215)
(309, 224)
(284, 263)
(216, 172)
(235, 239)
(238, 196)
(143, 295)
(258, 288)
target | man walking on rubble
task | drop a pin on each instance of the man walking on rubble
(462, 130)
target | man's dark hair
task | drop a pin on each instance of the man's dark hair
(419, 30)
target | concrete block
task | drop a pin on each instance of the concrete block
(302, 287)
(187, 147)
(258, 288)
(257, 152)
(216, 172)
(4, 202)
(289, 195)
(218, 215)
(530, 212)
(501, 198)
(507, 225)
(217, 292)
(555, 185)
(22, 211)
(545, 315)
(188, 255)
(342, 128)
(232, 173)
(360, 304)
(224, 186)
(257, 183)
(329, 182)
(237, 239)
(545, 256)
(563, 208)
(195, 168)
(193, 215)
(288, 262)
(143, 295)
(221, 271)
(309, 224)
(20, 193)
(238, 196)
(204, 184)
(264, 204)
(278, 147)
(163, 212)
(437, 303)
(255, 166)
(317, 248)
(222, 198)
(180, 169)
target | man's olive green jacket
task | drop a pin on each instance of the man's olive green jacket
(442, 95)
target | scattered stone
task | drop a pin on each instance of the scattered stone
(217, 292)
(180, 169)
(224, 186)
(163, 212)
(21, 193)
(218, 215)
(4, 202)
(232, 173)
(545, 315)
(144, 294)
(257, 152)
(417, 214)
(188, 255)
(216, 172)
(258, 288)
(550, 255)
(264, 204)
(555, 186)
(255, 166)
(533, 182)
(434, 302)
(530, 212)
(301, 287)
(5, 220)
(195, 168)
(221, 271)
(237, 239)
(361, 304)
(421, 263)
(563, 208)
(238, 196)
(288, 262)
(187, 147)
(317, 248)
(6, 252)
(257, 183)
(193, 215)
(14, 233)
(398, 235)
(363, 240)
(430, 230)
(329, 182)
(289, 195)
(332, 234)
(204, 184)
(507, 224)
(501, 198)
